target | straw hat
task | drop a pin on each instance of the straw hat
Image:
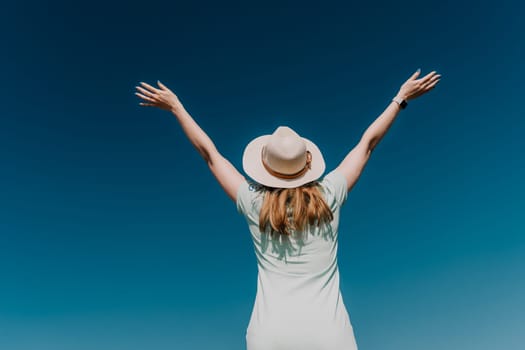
(283, 159)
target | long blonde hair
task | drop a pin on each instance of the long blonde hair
(285, 210)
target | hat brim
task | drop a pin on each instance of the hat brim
(253, 166)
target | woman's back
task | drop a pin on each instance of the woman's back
(298, 302)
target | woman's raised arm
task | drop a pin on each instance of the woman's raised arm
(353, 164)
(225, 173)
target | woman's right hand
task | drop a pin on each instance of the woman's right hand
(162, 98)
(413, 87)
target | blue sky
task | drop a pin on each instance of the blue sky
(114, 235)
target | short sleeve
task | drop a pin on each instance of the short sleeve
(242, 197)
(247, 193)
(335, 184)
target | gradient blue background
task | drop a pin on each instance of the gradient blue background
(114, 235)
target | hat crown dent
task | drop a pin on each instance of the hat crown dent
(285, 151)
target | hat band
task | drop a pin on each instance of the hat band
(301, 172)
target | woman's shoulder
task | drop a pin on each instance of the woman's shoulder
(249, 194)
(334, 187)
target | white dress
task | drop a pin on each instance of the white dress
(298, 304)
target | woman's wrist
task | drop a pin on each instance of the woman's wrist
(176, 108)
(402, 96)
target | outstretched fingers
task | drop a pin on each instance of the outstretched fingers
(162, 86)
(145, 92)
(146, 104)
(144, 97)
(426, 78)
(431, 86)
(415, 75)
(430, 83)
(148, 86)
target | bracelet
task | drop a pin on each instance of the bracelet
(401, 102)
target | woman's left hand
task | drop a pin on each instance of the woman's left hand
(414, 88)
(162, 98)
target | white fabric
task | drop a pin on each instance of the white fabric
(298, 304)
